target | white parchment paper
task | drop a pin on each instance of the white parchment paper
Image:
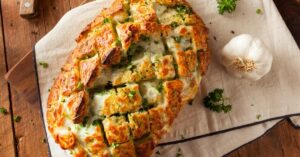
(275, 95)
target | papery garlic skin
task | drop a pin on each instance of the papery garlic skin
(245, 56)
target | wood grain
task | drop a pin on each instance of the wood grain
(7, 142)
(282, 141)
(29, 132)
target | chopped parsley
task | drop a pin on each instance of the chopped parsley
(157, 152)
(160, 86)
(118, 42)
(79, 86)
(3, 111)
(179, 153)
(102, 117)
(258, 116)
(145, 38)
(114, 145)
(258, 11)
(96, 122)
(182, 9)
(17, 119)
(131, 94)
(129, 19)
(174, 24)
(106, 20)
(44, 64)
(145, 104)
(226, 6)
(216, 102)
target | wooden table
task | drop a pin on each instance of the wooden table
(26, 138)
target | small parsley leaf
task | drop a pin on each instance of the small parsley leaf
(17, 119)
(258, 11)
(114, 145)
(145, 38)
(96, 122)
(216, 102)
(131, 94)
(160, 86)
(179, 153)
(226, 5)
(3, 111)
(174, 24)
(258, 116)
(182, 9)
(106, 20)
(44, 64)
(157, 152)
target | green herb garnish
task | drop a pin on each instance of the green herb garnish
(258, 11)
(96, 122)
(182, 9)
(160, 86)
(216, 102)
(226, 5)
(145, 104)
(258, 116)
(129, 19)
(174, 24)
(118, 42)
(114, 145)
(145, 38)
(179, 152)
(44, 64)
(131, 94)
(106, 20)
(17, 119)
(79, 86)
(3, 111)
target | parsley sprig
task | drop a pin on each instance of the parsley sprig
(216, 102)
(226, 5)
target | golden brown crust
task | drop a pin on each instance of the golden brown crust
(145, 148)
(124, 150)
(116, 130)
(131, 72)
(173, 100)
(139, 124)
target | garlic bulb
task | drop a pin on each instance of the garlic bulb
(246, 57)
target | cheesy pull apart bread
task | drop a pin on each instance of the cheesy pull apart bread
(133, 69)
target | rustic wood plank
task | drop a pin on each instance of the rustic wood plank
(290, 11)
(7, 144)
(76, 3)
(20, 37)
(282, 141)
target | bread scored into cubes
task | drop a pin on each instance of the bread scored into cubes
(133, 69)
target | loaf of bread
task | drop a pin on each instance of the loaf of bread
(132, 71)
